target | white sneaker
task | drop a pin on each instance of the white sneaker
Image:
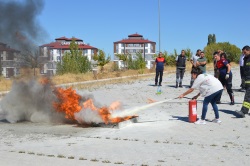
(216, 121)
(200, 122)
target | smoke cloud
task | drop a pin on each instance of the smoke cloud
(19, 26)
(30, 101)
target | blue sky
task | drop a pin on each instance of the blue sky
(183, 23)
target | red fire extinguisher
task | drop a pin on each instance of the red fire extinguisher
(192, 117)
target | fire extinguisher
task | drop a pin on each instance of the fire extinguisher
(192, 117)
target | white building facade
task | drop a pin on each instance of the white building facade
(134, 44)
(8, 62)
(51, 54)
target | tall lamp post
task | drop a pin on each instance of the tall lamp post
(159, 25)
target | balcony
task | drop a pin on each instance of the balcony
(9, 63)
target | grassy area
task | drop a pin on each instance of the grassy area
(5, 84)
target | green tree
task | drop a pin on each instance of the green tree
(188, 53)
(101, 59)
(209, 39)
(232, 51)
(138, 64)
(74, 61)
(124, 58)
(213, 38)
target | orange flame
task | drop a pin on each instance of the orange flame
(105, 112)
(68, 102)
(151, 100)
(44, 80)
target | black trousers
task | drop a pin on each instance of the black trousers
(246, 103)
(228, 84)
(242, 77)
(179, 74)
(157, 74)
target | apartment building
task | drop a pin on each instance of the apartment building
(9, 65)
(135, 43)
(52, 53)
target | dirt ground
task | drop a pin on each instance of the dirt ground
(162, 135)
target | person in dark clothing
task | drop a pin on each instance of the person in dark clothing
(180, 68)
(225, 74)
(202, 62)
(241, 63)
(160, 62)
(193, 61)
(216, 71)
(246, 103)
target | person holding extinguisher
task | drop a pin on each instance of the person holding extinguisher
(210, 88)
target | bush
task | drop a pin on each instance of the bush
(232, 51)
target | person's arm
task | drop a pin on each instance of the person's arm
(228, 68)
(196, 96)
(192, 62)
(176, 59)
(197, 64)
(204, 62)
(186, 93)
(228, 71)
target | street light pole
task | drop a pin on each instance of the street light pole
(159, 25)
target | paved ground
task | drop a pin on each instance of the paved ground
(162, 136)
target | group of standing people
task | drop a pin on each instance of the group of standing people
(211, 87)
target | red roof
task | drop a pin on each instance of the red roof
(4, 47)
(135, 35)
(68, 39)
(134, 41)
(8, 49)
(73, 38)
(58, 45)
(62, 38)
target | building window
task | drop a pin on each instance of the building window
(146, 50)
(122, 45)
(58, 58)
(146, 45)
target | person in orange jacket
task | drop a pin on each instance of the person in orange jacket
(160, 62)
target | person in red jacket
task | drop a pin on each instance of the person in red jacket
(225, 74)
(160, 62)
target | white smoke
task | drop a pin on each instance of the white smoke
(29, 101)
(87, 116)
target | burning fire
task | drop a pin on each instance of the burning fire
(105, 112)
(69, 103)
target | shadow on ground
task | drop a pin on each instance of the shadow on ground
(230, 112)
(181, 118)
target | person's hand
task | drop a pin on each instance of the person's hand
(181, 96)
(194, 98)
(227, 76)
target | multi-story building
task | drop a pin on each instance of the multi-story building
(135, 43)
(9, 65)
(52, 53)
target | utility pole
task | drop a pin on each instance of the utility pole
(0, 63)
(159, 25)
